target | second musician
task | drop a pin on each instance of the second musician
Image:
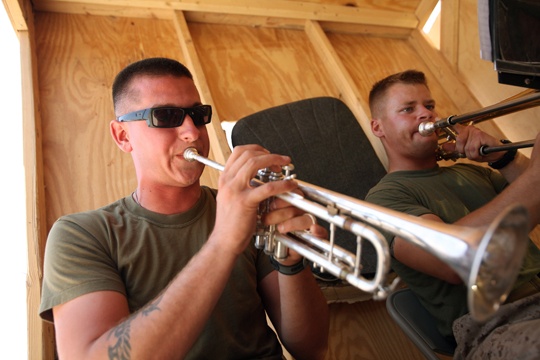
(462, 194)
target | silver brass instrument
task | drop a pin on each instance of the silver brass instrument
(524, 100)
(487, 259)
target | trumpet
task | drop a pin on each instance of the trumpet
(487, 259)
(524, 100)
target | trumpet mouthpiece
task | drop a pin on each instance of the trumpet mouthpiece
(190, 154)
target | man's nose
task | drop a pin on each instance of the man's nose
(426, 113)
(188, 131)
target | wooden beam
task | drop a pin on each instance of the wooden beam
(267, 8)
(387, 30)
(103, 10)
(442, 70)
(218, 140)
(16, 14)
(450, 32)
(40, 334)
(424, 10)
(342, 79)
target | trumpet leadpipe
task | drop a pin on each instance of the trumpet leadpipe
(191, 154)
(297, 200)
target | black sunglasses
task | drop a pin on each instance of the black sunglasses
(170, 117)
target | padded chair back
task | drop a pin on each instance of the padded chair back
(327, 146)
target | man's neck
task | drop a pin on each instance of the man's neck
(411, 164)
(168, 200)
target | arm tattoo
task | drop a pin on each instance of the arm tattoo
(122, 349)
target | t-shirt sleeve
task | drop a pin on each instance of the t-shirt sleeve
(76, 263)
(395, 198)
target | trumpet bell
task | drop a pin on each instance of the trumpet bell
(497, 261)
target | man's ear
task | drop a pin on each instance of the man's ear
(377, 128)
(120, 135)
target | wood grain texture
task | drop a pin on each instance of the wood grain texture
(450, 28)
(251, 69)
(369, 59)
(343, 81)
(220, 150)
(79, 56)
(423, 11)
(364, 330)
(344, 13)
(40, 334)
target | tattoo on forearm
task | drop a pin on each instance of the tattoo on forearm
(122, 349)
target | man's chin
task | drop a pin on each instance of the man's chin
(189, 174)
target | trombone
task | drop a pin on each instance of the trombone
(524, 100)
(487, 259)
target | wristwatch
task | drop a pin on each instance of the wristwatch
(288, 269)
(506, 159)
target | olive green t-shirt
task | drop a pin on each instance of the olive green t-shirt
(126, 248)
(450, 193)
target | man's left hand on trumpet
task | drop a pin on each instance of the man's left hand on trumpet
(237, 196)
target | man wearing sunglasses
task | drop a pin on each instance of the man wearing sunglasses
(170, 271)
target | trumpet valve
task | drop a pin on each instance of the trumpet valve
(281, 251)
(287, 171)
(260, 241)
(270, 241)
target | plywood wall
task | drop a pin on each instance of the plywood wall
(247, 69)
(78, 59)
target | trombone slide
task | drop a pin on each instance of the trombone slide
(527, 99)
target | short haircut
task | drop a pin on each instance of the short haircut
(148, 67)
(379, 89)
